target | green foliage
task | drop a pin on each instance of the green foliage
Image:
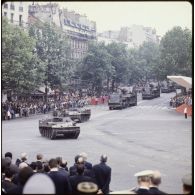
(176, 52)
(53, 50)
(21, 70)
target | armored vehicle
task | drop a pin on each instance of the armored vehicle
(76, 114)
(125, 97)
(59, 127)
(150, 91)
(167, 87)
(79, 114)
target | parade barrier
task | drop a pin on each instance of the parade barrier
(97, 101)
(181, 108)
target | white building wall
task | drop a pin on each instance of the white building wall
(16, 12)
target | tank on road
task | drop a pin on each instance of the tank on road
(150, 91)
(59, 127)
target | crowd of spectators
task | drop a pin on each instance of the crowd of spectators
(181, 99)
(55, 177)
(25, 108)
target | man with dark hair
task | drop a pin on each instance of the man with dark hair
(8, 154)
(73, 169)
(61, 181)
(24, 174)
(7, 183)
(155, 182)
(80, 177)
(102, 174)
(187, 184)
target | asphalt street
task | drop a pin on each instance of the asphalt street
(150, 135)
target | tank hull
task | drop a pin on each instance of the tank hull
(52, 129)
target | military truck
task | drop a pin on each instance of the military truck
(76, 114)
(167, 87)
(59, 127)
(150, 91)
(123, 98)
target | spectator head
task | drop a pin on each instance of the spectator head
(10, 172)
(8, 154)
(39, 157)
(7, 161)
(14, 168)
(59, 160)
(39, 166)
(76, 158)
(25, 174)
(80, 169)
(144, 177)
(24, 156)
(84, 155)
(87, 188)
(103, 158)
(64, 163)
(46, 168)
(33, 165)
(53, 163)
(22, 165)
(187, 184)
(39, 183)
(156, 178)
(80, 160)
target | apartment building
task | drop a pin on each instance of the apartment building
(77, 27)
(132, 36)
(16, 12)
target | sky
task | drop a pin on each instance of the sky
(162, 15)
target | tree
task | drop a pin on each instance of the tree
(21, 69)
(53, 50)
(148, 58)
(96, 66)
(176, 52)
(119, 62)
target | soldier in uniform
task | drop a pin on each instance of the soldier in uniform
(143, 179)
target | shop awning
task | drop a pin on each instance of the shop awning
(182, 81)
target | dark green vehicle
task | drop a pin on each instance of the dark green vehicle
(59, 127)
(125, 97)
(150, 91)
(76, 114)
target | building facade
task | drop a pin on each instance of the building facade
(78, 28)
(16, 12)
(132, 36)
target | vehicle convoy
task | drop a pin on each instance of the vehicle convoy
(58, 127)
(76, 114)
(150, 91)
(167, 87)
(123, 98)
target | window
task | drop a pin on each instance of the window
(5, 6)
(5, 13)
(12, 17)
(20, 9)
(20, 20)
(12, 7)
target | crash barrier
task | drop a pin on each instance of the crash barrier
(97, 101)
(181, 108)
